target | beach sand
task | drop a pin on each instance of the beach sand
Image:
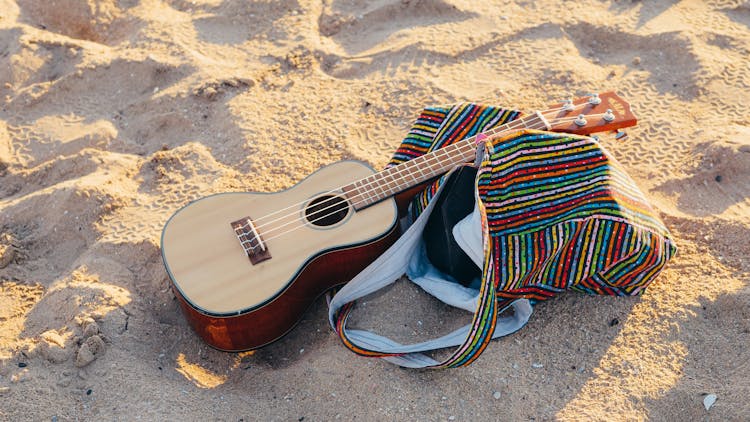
(115, 113)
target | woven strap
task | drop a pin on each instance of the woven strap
(471, 339)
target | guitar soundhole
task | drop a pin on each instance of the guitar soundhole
(326, 210)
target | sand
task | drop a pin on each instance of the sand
(117, 112)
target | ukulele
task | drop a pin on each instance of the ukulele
(245, 266)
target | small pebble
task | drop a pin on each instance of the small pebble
(709, 401)
(90, 329)
(96, 344)
(53, 337)
(54, 353)
(718, 178)
(636, 60)
(85, 356)
(22, 364)
(88, 392)
(537, 365)
(496, 395)
(614, 322)
(7, 254)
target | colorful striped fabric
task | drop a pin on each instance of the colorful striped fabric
(557, 212)
(437, 127)
(563, 215)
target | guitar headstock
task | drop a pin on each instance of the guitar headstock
(595, 113)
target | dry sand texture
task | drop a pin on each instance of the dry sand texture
(117, 112)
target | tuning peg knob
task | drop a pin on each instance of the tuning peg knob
(568, 105)
(581, 120)
(608, 116)
(594, 99)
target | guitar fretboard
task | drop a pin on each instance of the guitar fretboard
(384, 184)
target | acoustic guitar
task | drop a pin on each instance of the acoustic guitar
(245, 266)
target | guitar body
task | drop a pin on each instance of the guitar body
(245, 266)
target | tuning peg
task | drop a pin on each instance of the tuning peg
(581, 120)
(594, 99)
(621, 135)
(568, 105)
(608, 116)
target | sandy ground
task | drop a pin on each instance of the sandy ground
(117, 112)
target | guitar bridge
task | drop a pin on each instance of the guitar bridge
(250, 240)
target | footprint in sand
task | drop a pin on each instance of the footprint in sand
(98, 21)
(722, 175)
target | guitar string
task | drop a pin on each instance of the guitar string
(366, 195)
(335, 190)
(363, 201)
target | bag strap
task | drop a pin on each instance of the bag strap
(471, 339)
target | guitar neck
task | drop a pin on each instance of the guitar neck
(382, 185)
(583, 116)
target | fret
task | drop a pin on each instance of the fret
(372, 185)
(446, 159)
(362, 191)
(378, 189)
(467, 150)
(428, 161)
(388, 180)
(409, 171)
(400, 178)
(407, 175)
(422, 175)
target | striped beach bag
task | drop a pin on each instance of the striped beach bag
(552, 212)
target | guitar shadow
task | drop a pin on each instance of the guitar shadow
(311, 334)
